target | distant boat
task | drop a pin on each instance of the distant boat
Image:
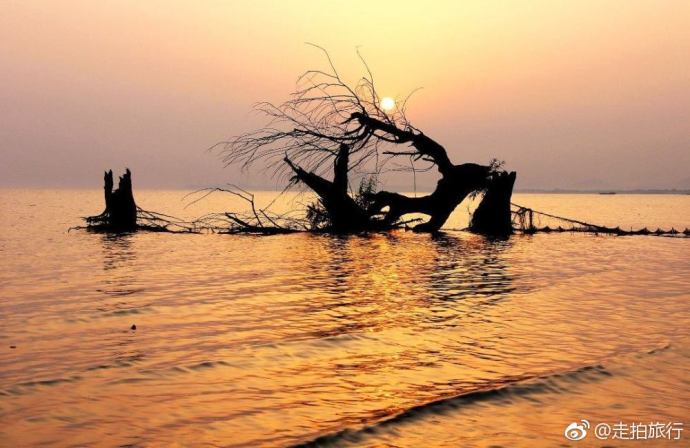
(607, 192)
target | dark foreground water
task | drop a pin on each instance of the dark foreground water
(386, 340)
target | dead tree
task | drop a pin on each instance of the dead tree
(120, 214)
(493, 215)
(344, 214)
(328, 123)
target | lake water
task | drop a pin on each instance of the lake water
(394, 339)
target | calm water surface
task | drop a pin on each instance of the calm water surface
(384, 340)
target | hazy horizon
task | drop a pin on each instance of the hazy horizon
(586, 95)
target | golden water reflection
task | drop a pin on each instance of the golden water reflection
(245, 341)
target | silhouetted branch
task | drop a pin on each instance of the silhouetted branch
(311, 125)
(325, 122)
(260, 221)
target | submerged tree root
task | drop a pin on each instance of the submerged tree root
(122, 215)
(262, 222)
(146, 221)
(258, 221)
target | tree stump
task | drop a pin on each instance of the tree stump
(493, 216)
(120, 209)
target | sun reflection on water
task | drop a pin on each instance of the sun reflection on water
(276, 341)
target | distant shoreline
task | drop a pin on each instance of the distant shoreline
(420, 191)
(604, 192)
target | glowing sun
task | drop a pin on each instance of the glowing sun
(387, 103)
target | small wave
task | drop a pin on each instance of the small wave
(121, 292)
(132, 380)
(659, 349)
(124, 362)
(507, 389)
(21, 388)
(207, 365)
(120, 313)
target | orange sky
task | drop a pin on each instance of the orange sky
(586, 94)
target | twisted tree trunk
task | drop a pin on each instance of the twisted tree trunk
(456, 183)
(345, 215)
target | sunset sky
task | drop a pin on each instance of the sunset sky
(571, 94)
